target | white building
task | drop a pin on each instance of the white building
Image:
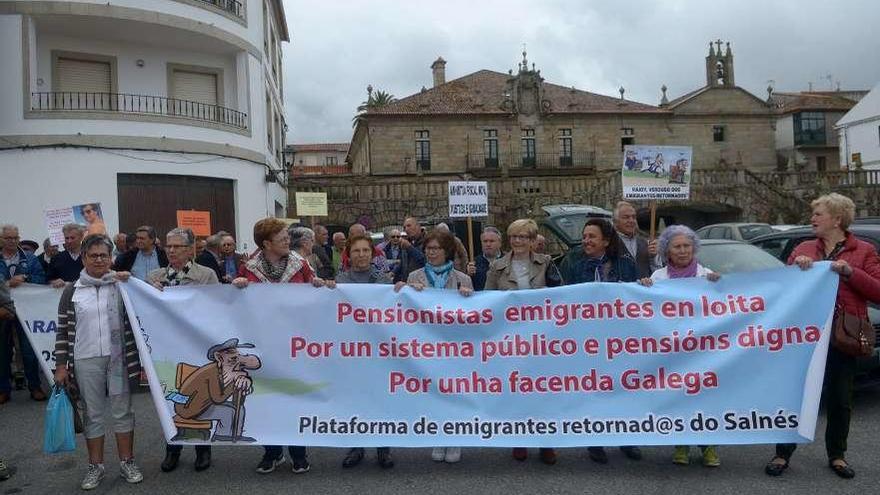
(147, 107)
(859, 134)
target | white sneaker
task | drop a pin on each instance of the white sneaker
(438, 454)
(453, 454)
(130, 472)
(93, 477)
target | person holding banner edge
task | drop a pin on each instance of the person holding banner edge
(678, 246)
(857, 264)
(602, 258)
(438, 273)
(181, 270)
(519, 269)
(360, 253)
(100, 367)
(275, 263)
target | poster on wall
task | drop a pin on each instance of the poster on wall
(656, 172)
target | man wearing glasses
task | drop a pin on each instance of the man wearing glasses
(17, 267)
(403, 258)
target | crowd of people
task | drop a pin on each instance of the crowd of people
(100, 369)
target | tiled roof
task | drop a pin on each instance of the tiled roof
(482, 92)
(316, 147)
(795, 102)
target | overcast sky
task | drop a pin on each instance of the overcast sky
(339, 47)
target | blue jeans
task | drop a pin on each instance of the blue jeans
(31, 365)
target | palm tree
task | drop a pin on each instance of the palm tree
(374, 100)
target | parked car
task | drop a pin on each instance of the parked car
(784, 227)
(734, 231)
(563, 225)
(724, 256)
(781, 245)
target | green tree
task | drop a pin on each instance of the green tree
(374, 100)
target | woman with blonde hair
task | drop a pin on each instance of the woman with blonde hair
(519, 269)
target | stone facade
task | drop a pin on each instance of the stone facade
(575, 155)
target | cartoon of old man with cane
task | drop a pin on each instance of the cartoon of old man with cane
(217, 390)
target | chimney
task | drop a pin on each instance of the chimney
(439, 70)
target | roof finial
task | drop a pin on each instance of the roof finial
(621, 92)
(663, 99)
(525, 62)
(369, 90)
(718, 43)
(711, 49)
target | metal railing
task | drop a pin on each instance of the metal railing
(66, 101)
(234, 7)
(301, 170)
(479, 161)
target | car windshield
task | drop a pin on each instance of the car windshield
(732, 257)
(571, 226)
(748, 232)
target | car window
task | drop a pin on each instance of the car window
(714, 233)
(736, 257)
(554, 246)
(703, 233)
(749, 232)
(572, 226)
(775, 247)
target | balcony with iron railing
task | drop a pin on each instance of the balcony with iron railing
(61, 102)
(538, 164)
(232, 7)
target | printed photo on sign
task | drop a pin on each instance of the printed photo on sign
(90, 215)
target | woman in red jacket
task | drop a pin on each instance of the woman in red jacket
(859, 268)
(276, 263)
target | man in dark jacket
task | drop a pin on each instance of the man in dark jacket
(17, 267)
(66, 265)
(146, 258)
(210, 257)
(490, 241)
(402, 256)
(642, 251)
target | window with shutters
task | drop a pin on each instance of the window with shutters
(195, 92)
(84, 81)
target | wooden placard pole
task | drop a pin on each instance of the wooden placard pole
(653, 220)
(470, 229)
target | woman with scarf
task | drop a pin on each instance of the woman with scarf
(275, 263)
(602, 258)
(438, 273)
(678, 245)
(522, 268)
(97, 365)
(182, 271)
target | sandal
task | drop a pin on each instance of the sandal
(842, 470)
(775, 468)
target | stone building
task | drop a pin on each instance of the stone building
(316, 158)
(540, 143)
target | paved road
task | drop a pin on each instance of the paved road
(481, 470)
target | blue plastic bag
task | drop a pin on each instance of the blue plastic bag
(59, 435)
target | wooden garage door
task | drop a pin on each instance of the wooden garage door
(148, 199)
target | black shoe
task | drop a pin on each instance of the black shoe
(269, 463)
(301, 466)
(633, 453)
(203, 459)
(842, 470)
(170, 462)
(385, 460)
(775, 468)
(353, 458)
(597, 454)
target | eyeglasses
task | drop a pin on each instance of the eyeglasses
(433, 248)
(395, 237)
(98, 256)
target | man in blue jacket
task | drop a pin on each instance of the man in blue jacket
(17, 267)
